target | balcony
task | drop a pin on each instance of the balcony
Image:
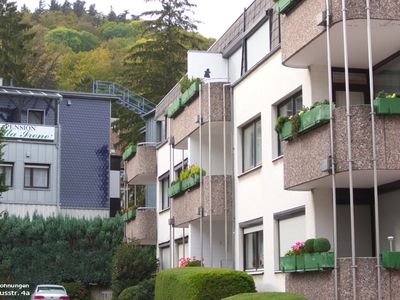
(303, 40)
(142, 227)
(304, 155)
(320, 285)
(185, 120)
(141, 169)
(185, 207)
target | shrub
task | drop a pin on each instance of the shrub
(322, 245)
(267, 296)
(76, 290)
(309, 246)
(131, 264)
(143, 291)
(201, 283)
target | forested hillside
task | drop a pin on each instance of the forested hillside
(68, 45)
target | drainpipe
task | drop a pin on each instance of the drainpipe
(349, 153)
(374, 161)
(225, 176)
(172, 176)
(201, 177)
(333, 162)
(58, 208)
(233, 181)
(209, 175)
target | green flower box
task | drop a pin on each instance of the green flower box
(286, 132)
(132, 214)
(284, 6)
(125, 217)
(190, 93)
(129, 152)
(190, 182)
(315, 117)
(387, 106)
(326, 260)
(311, 261)
(174, 108)
(391, 260)
(300, 264)
(175, 189)
(288, 264)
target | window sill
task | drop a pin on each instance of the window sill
(161, 144)
(250, 171)
(278, 158)
(36, 189)
(254, 273)
(164, 210)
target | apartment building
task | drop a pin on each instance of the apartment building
(259, 194)
(57, 153)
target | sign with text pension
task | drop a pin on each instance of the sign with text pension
(28, 132)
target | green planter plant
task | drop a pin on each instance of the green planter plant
(190, 93)
(391, 260)
(132, 214)
(284, 6)
(314, 117)
(174, 108)
(175, 189)
(129, 152)
(387, 106)
(190, 182)
(288, 263)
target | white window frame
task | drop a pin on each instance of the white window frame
(36, 110)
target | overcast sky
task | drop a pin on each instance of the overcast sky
(216, 15)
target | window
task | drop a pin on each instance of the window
(165, 200)
(258, 45)
(289, 107)
(253, 248)
(35, 116)
(36, 176)
(6, 173)
(161, 131)
(165, 257)
(251, 135)
(358, 85)
(182, 249)
(387, 75)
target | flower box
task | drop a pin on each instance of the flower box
(175, 189)
(288, 263)
(174, 108)
(190, 93)
(129, 152)
(132, 214)
(125, 217)
(286, 132)
(326, 260)
(190, 182)
(300, 263)
(387, 106)
(284, 6)
(314, 117)
(311, 261)
(391, 260)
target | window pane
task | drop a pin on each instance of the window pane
(250, 246)
(35, 117)
(27, 177)
(165, 258)
(298, 103)
(6, 172)
(258, 45)
(258, 143)
(248, 150)
(165, 198)
(291, 230)
(40, 177)
(260, 249)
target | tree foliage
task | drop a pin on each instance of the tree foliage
(76, 40)
(58, 249)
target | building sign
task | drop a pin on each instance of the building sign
(28, 132)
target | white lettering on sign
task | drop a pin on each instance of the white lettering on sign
(28, 131)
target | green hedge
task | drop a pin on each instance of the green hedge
(76, 290)
(201, 283)
(58, 249)
(266, 296)
(143, 291)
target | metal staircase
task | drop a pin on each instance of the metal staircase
(128, 98)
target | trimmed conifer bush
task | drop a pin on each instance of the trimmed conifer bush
(309, 246)
(201, 283)
(266, 296)
(322, 245)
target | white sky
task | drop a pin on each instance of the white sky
(216, 15)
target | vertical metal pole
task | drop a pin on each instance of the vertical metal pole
(349, 152)
(201, 177)
(376, 199)
(225, 177)
(183, 242)
(171, 212)
(171, 176)
(333, 162)
(209, 175)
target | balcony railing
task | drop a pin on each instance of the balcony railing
(142, 228)
(141, 169)
(307, 158)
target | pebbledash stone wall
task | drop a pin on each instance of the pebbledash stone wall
(185, 207)
(143, 227)
(320, 285)
(299, 27)
(142, 168)
(303, 156)
(186, 122)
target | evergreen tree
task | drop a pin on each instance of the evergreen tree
(13, 38)
(54, 5)
(112, 16)
(66, 7)
(79, 8)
